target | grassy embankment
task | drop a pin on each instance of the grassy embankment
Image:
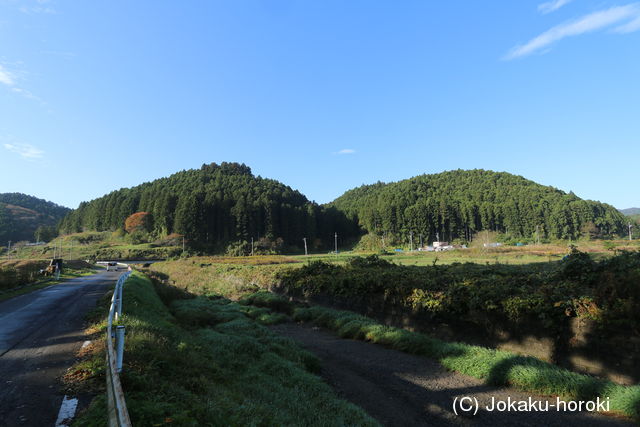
(509, 290)
(207, 361)
(516, 295)
(100, 245)
(495, 367)
(19, 277)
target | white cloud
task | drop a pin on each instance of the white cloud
(346, 151)
(40, 8)
(629, 27)
(552, 6)
(26, 151)
(586, 24)
(6, 77)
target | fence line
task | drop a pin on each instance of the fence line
(118, 415)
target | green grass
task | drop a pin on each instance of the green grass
(270, 300)
(495, 367)
(97, 245)
(206, 361)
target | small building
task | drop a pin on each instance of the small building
(492, 245)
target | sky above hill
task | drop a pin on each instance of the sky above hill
(321, 95)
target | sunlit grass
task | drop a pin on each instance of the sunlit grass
(206, 361)
(495, 367)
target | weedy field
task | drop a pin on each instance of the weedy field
(100, 245)
(601, 288)
(578, 285)
(118, 245)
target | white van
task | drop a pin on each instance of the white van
(112, 266)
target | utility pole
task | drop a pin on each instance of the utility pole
(411, 241)
(630, 230)
(421, 241)
(304, 239)
(251, 246)
(336, 242)
(9, 250)
(183, 244)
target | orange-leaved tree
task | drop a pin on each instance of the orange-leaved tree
(139, 221)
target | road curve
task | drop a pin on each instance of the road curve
(40, 333)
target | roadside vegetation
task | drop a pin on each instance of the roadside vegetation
(21, 276)
(547, 293)
(605, 291)
(208, 361)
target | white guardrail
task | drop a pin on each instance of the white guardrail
(118, 415)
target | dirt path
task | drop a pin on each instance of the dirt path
(399, 389)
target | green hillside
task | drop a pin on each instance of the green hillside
(456, 204)
(21, 215)
(631, 211)
(216, 207)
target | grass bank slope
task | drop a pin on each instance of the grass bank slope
(206, 361)
(495, 367)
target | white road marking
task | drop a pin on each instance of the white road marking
(67, 411)
(84, 344)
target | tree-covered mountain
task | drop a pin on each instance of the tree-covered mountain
(630, 211)
(21, 215)
(215, 206)
(457, 204)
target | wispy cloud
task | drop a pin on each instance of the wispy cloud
(40, 6)
(10, 79)
(346, 151)
(26, 151)
(628, 16)
(6, 78)
(552, 6)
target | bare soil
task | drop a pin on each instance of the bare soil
(400, 389)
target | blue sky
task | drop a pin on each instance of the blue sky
(321, 95)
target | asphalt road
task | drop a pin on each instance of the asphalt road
(40, 334)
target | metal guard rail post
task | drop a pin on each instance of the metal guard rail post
(117, 407)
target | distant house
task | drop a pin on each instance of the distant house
(492, 245)
(442, 246)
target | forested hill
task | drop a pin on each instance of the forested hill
(215, 206)
(461, 202)
(21, 215)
